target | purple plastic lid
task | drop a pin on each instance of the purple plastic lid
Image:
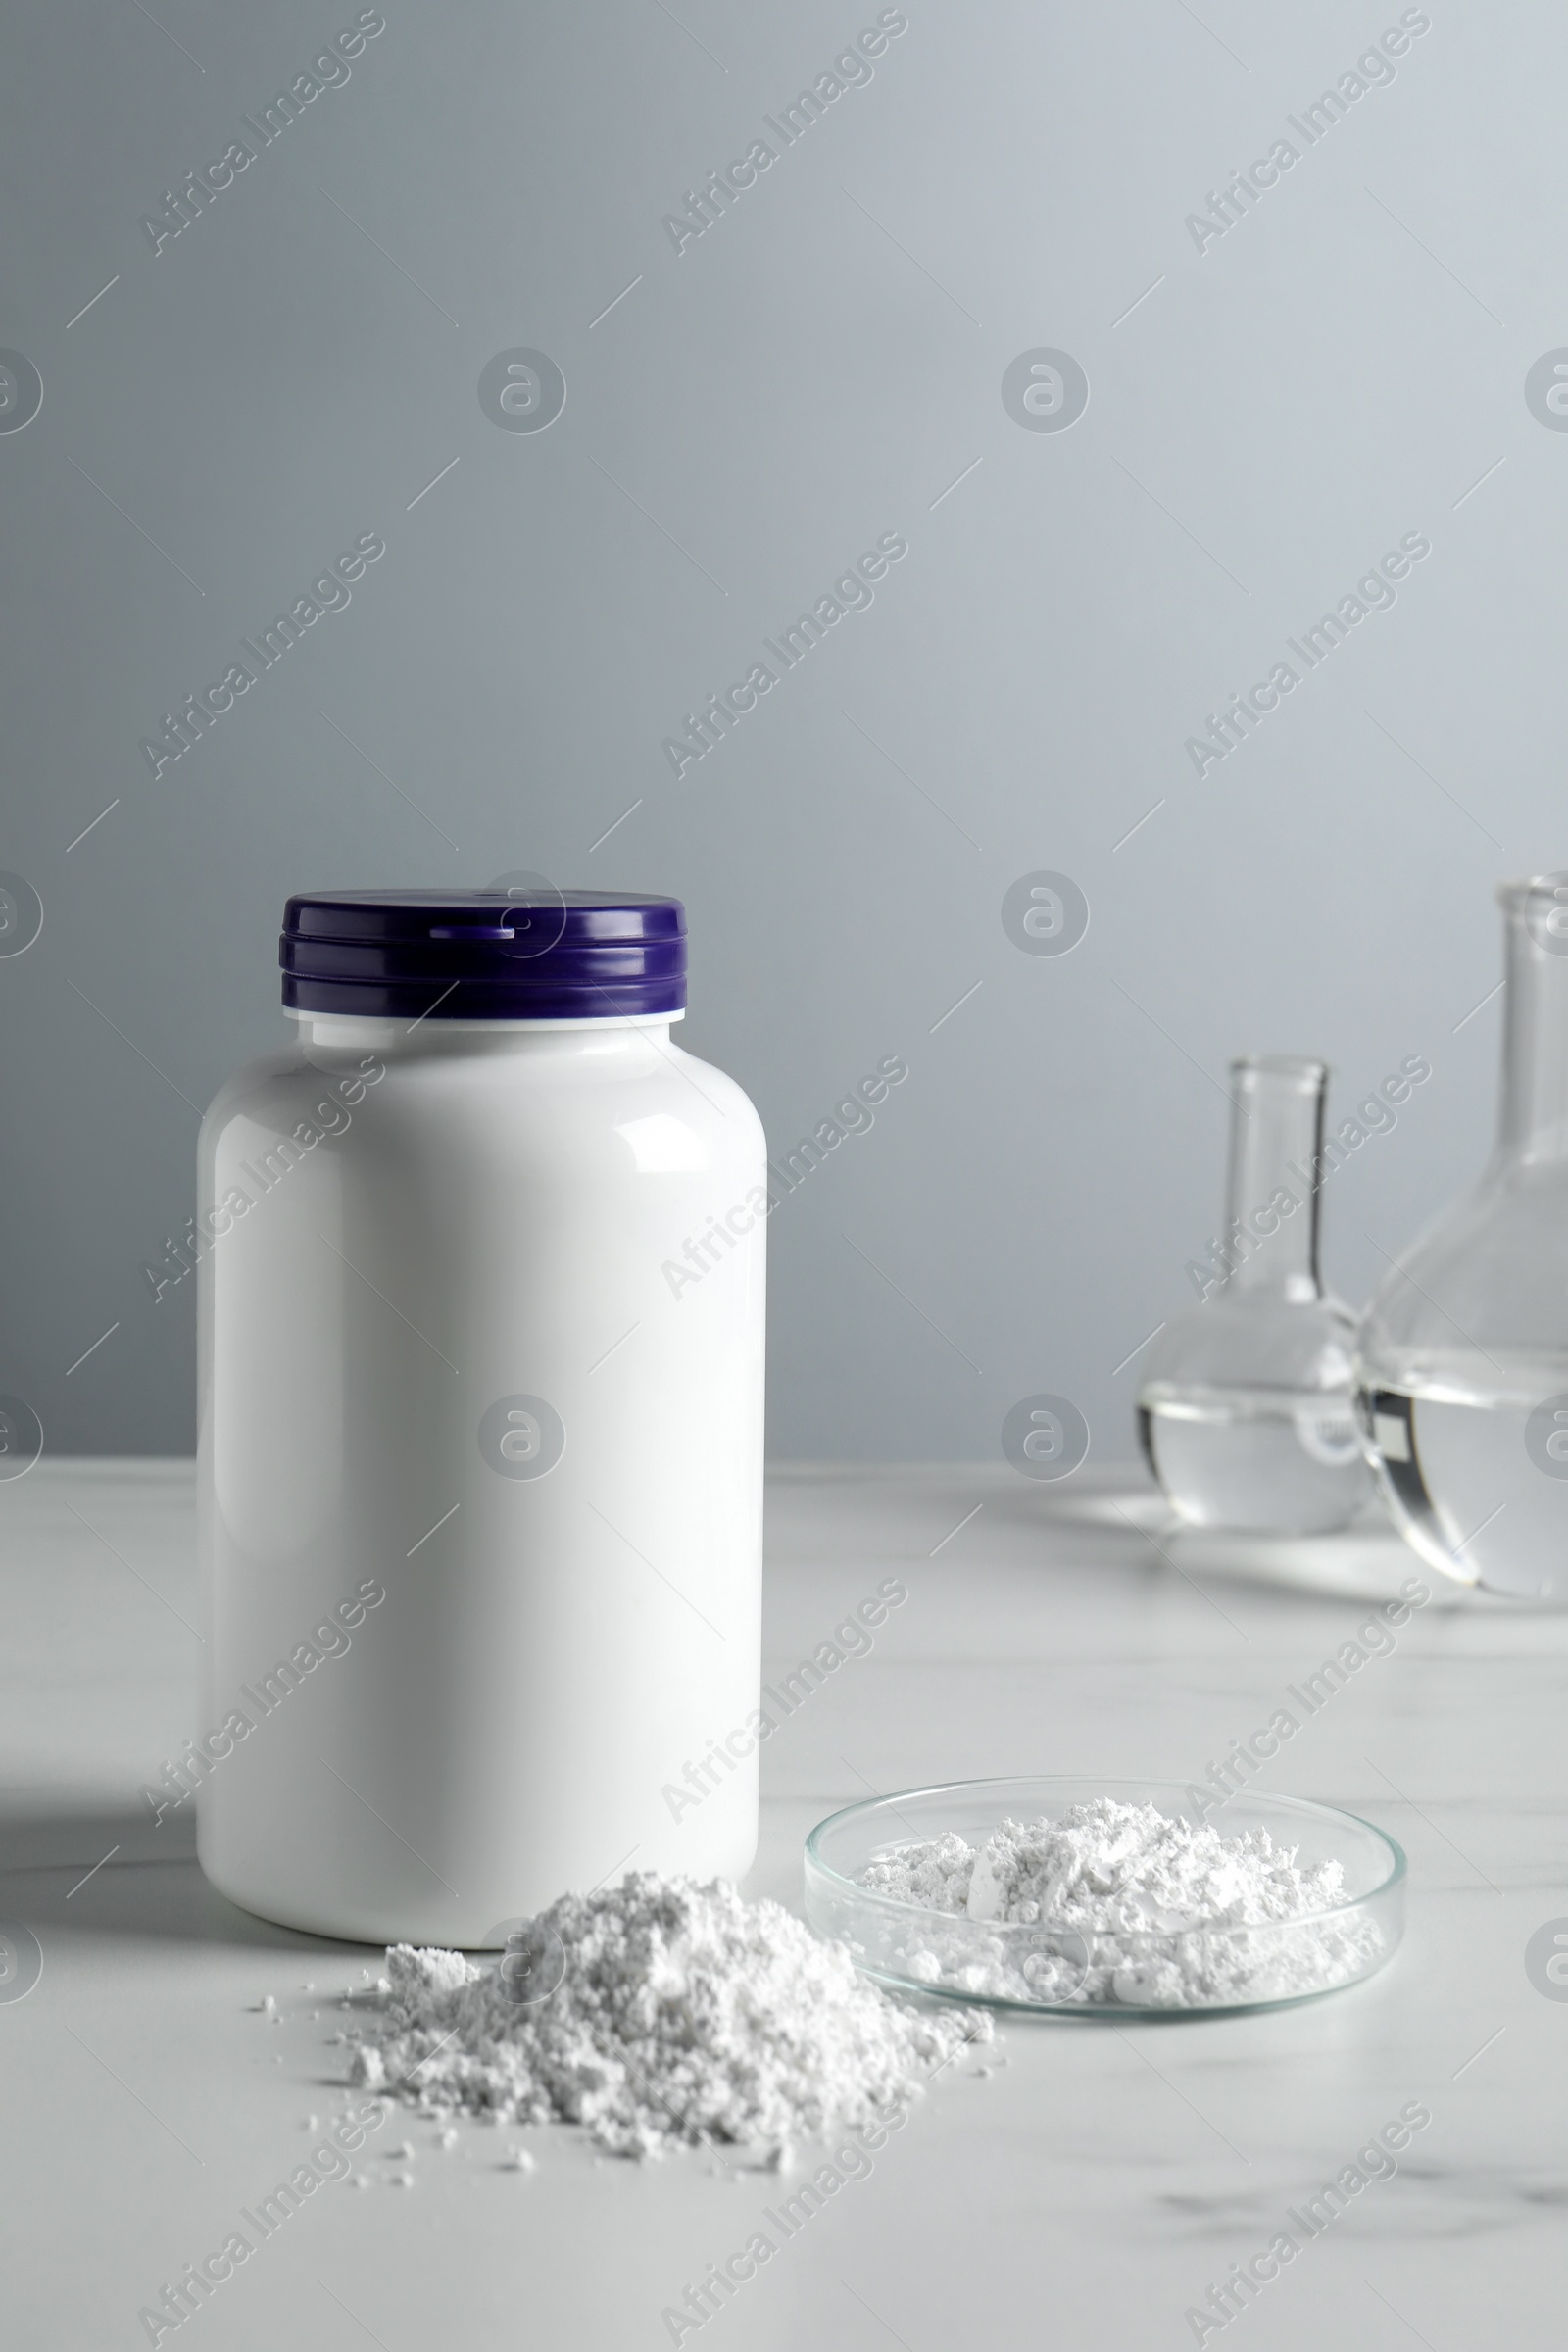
(536, 954)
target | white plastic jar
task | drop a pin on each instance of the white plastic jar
(480, 1423)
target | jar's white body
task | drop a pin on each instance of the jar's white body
(489, 1212)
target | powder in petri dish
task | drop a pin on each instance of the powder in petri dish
(1127, 1906)
(684, 2016)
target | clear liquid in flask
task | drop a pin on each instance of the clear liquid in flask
(1477, 1484)
(1278, 1461)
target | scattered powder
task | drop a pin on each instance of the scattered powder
(684, 2016)
(1118, 1903)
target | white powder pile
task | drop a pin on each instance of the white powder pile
(683, 2015)
(1118, 1903)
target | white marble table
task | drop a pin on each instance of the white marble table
(1083, 2197)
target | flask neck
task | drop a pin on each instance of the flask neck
(1533, 1118)
(1271, 1213)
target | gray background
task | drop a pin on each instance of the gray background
(1341, 367)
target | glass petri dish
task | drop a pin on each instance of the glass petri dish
(1106, 1973)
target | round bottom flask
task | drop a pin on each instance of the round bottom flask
(1462, 1361)
(1245, 1411)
